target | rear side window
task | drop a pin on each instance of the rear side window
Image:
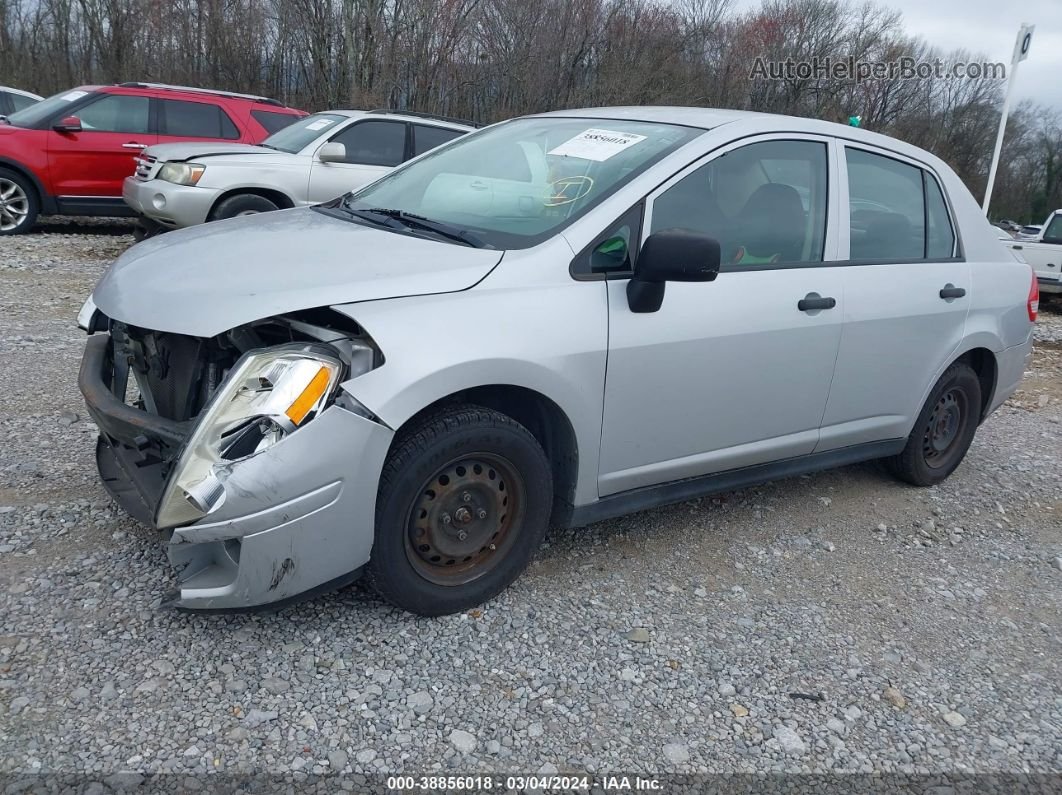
(195, 120)
(19, 102)
(374, 143)
(115, 113)
(426, 138)
(272, 122)
(940, 240)
(887, 209)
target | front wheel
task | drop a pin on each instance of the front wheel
(943, 431)
(18, 203)
(464, 501)
(242, 204)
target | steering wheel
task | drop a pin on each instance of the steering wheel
(568, 189)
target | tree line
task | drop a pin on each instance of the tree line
(487, 60)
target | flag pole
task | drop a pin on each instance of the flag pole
(1021, 51)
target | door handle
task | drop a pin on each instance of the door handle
(134, 146)
(950, 291)
(814, 301)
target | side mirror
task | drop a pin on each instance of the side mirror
(68, 124)
(671, 255)
(332, 152)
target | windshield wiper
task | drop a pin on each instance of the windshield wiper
(441, 228)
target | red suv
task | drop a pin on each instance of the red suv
(69, 154)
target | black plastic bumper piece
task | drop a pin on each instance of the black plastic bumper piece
(121, 422)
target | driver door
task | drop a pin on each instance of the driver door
(733, 372)
(373, 147)
(93, 163)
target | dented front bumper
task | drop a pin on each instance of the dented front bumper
(297, 518)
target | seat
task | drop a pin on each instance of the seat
(771, 225)
(887, 236)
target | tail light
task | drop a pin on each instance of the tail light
(1033, 304)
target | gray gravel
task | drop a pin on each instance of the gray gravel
(835, 622)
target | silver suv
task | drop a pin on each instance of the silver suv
(558, 319)
(313, 160)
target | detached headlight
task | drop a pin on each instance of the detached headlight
(268, 395)
(182, 173)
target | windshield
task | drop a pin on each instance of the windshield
(517, 183)
(35, 114)
(295, 137)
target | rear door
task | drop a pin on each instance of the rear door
(184, 120)
(93, 163)
(733, 372)
(906, 296)
(374, 147)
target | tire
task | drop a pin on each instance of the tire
(943, 431)
(19, 204)
(464, 502)
(242, 204)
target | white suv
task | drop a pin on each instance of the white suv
(314, 160)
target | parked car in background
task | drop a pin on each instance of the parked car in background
(1043, 252)
(13, 99)
(1030, 232)
(314, 160)
(410, 381)
(68, 154)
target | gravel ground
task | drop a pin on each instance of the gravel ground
(924, 623)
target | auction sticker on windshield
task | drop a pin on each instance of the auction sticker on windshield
(596, 144)
(320, 124)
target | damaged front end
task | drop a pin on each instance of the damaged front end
(240, 445)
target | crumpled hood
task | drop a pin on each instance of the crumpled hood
(180, 152)
(210, 278)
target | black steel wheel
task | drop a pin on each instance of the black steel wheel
(464, 502)
(944, 429)
(466, 519)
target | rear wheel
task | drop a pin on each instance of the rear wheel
(464, 502)
(944, 430)
(18, 203)
(242, 204)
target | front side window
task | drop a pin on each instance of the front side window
(886, 208)
(195, 120)
(116, 113)
(765, 203)
(374, 143)
(516, 184)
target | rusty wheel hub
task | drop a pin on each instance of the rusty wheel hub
(465, 518)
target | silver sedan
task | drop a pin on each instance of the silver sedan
(556, 320)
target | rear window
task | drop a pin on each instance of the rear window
(195, 120)
(426, 138)
(20, 102)
(272, 122)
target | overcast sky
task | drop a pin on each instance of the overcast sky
(990, 27)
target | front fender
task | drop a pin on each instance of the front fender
(550, 339)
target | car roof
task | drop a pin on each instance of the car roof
(419, 118)
(118, 88)
(712, 118)
(21, 92)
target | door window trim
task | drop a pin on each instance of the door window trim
(958, 252)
